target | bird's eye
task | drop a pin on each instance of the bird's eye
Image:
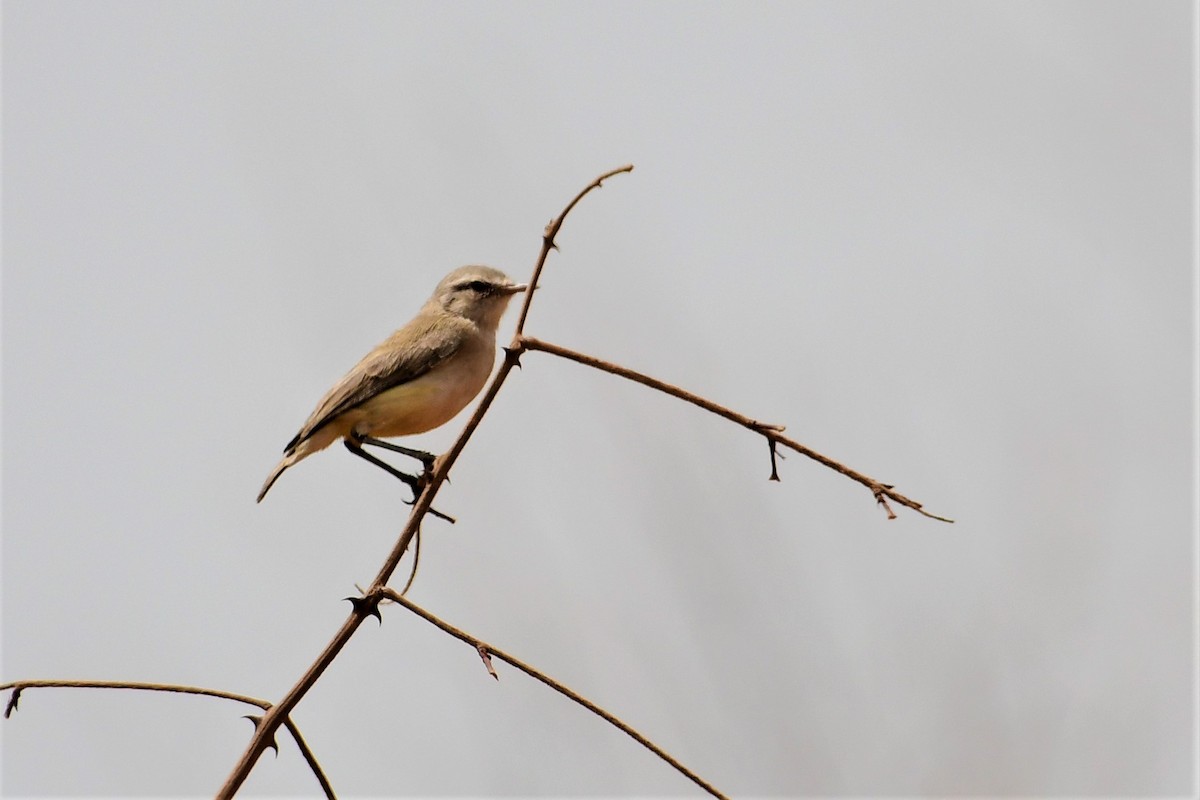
(483, 287)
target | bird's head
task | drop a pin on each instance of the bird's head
(477, 293)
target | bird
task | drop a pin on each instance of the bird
(417, 379)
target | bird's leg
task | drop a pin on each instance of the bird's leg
(428, 460)
(354, 445)
(425, 458)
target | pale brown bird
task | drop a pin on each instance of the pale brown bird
(417, 379)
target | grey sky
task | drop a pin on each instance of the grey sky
(949, 244)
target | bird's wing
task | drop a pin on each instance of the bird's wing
(430, 341)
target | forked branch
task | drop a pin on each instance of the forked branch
(364, 607)
(278, 714)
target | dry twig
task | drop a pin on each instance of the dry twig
(19, 686)
(773, 433)
(486, 650)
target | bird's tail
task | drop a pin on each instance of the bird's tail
(274, 476)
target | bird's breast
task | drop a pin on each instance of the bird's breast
(430, 400)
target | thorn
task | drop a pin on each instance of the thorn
(432, 510)
(513, 356)
(257, 720)
(487, 660)
(12, 702)
(774, 455)
(366, 605)
(440, 515)
(881, 499)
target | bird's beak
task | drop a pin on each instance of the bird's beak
(516, 288)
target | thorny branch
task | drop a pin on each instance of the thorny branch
(486, 650)
(366, 605)
(548, 244)
(362, 608)
(773, 433)
(19, 686)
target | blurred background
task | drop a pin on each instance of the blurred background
(948, 244)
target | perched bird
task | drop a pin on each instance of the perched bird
(415, 380)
